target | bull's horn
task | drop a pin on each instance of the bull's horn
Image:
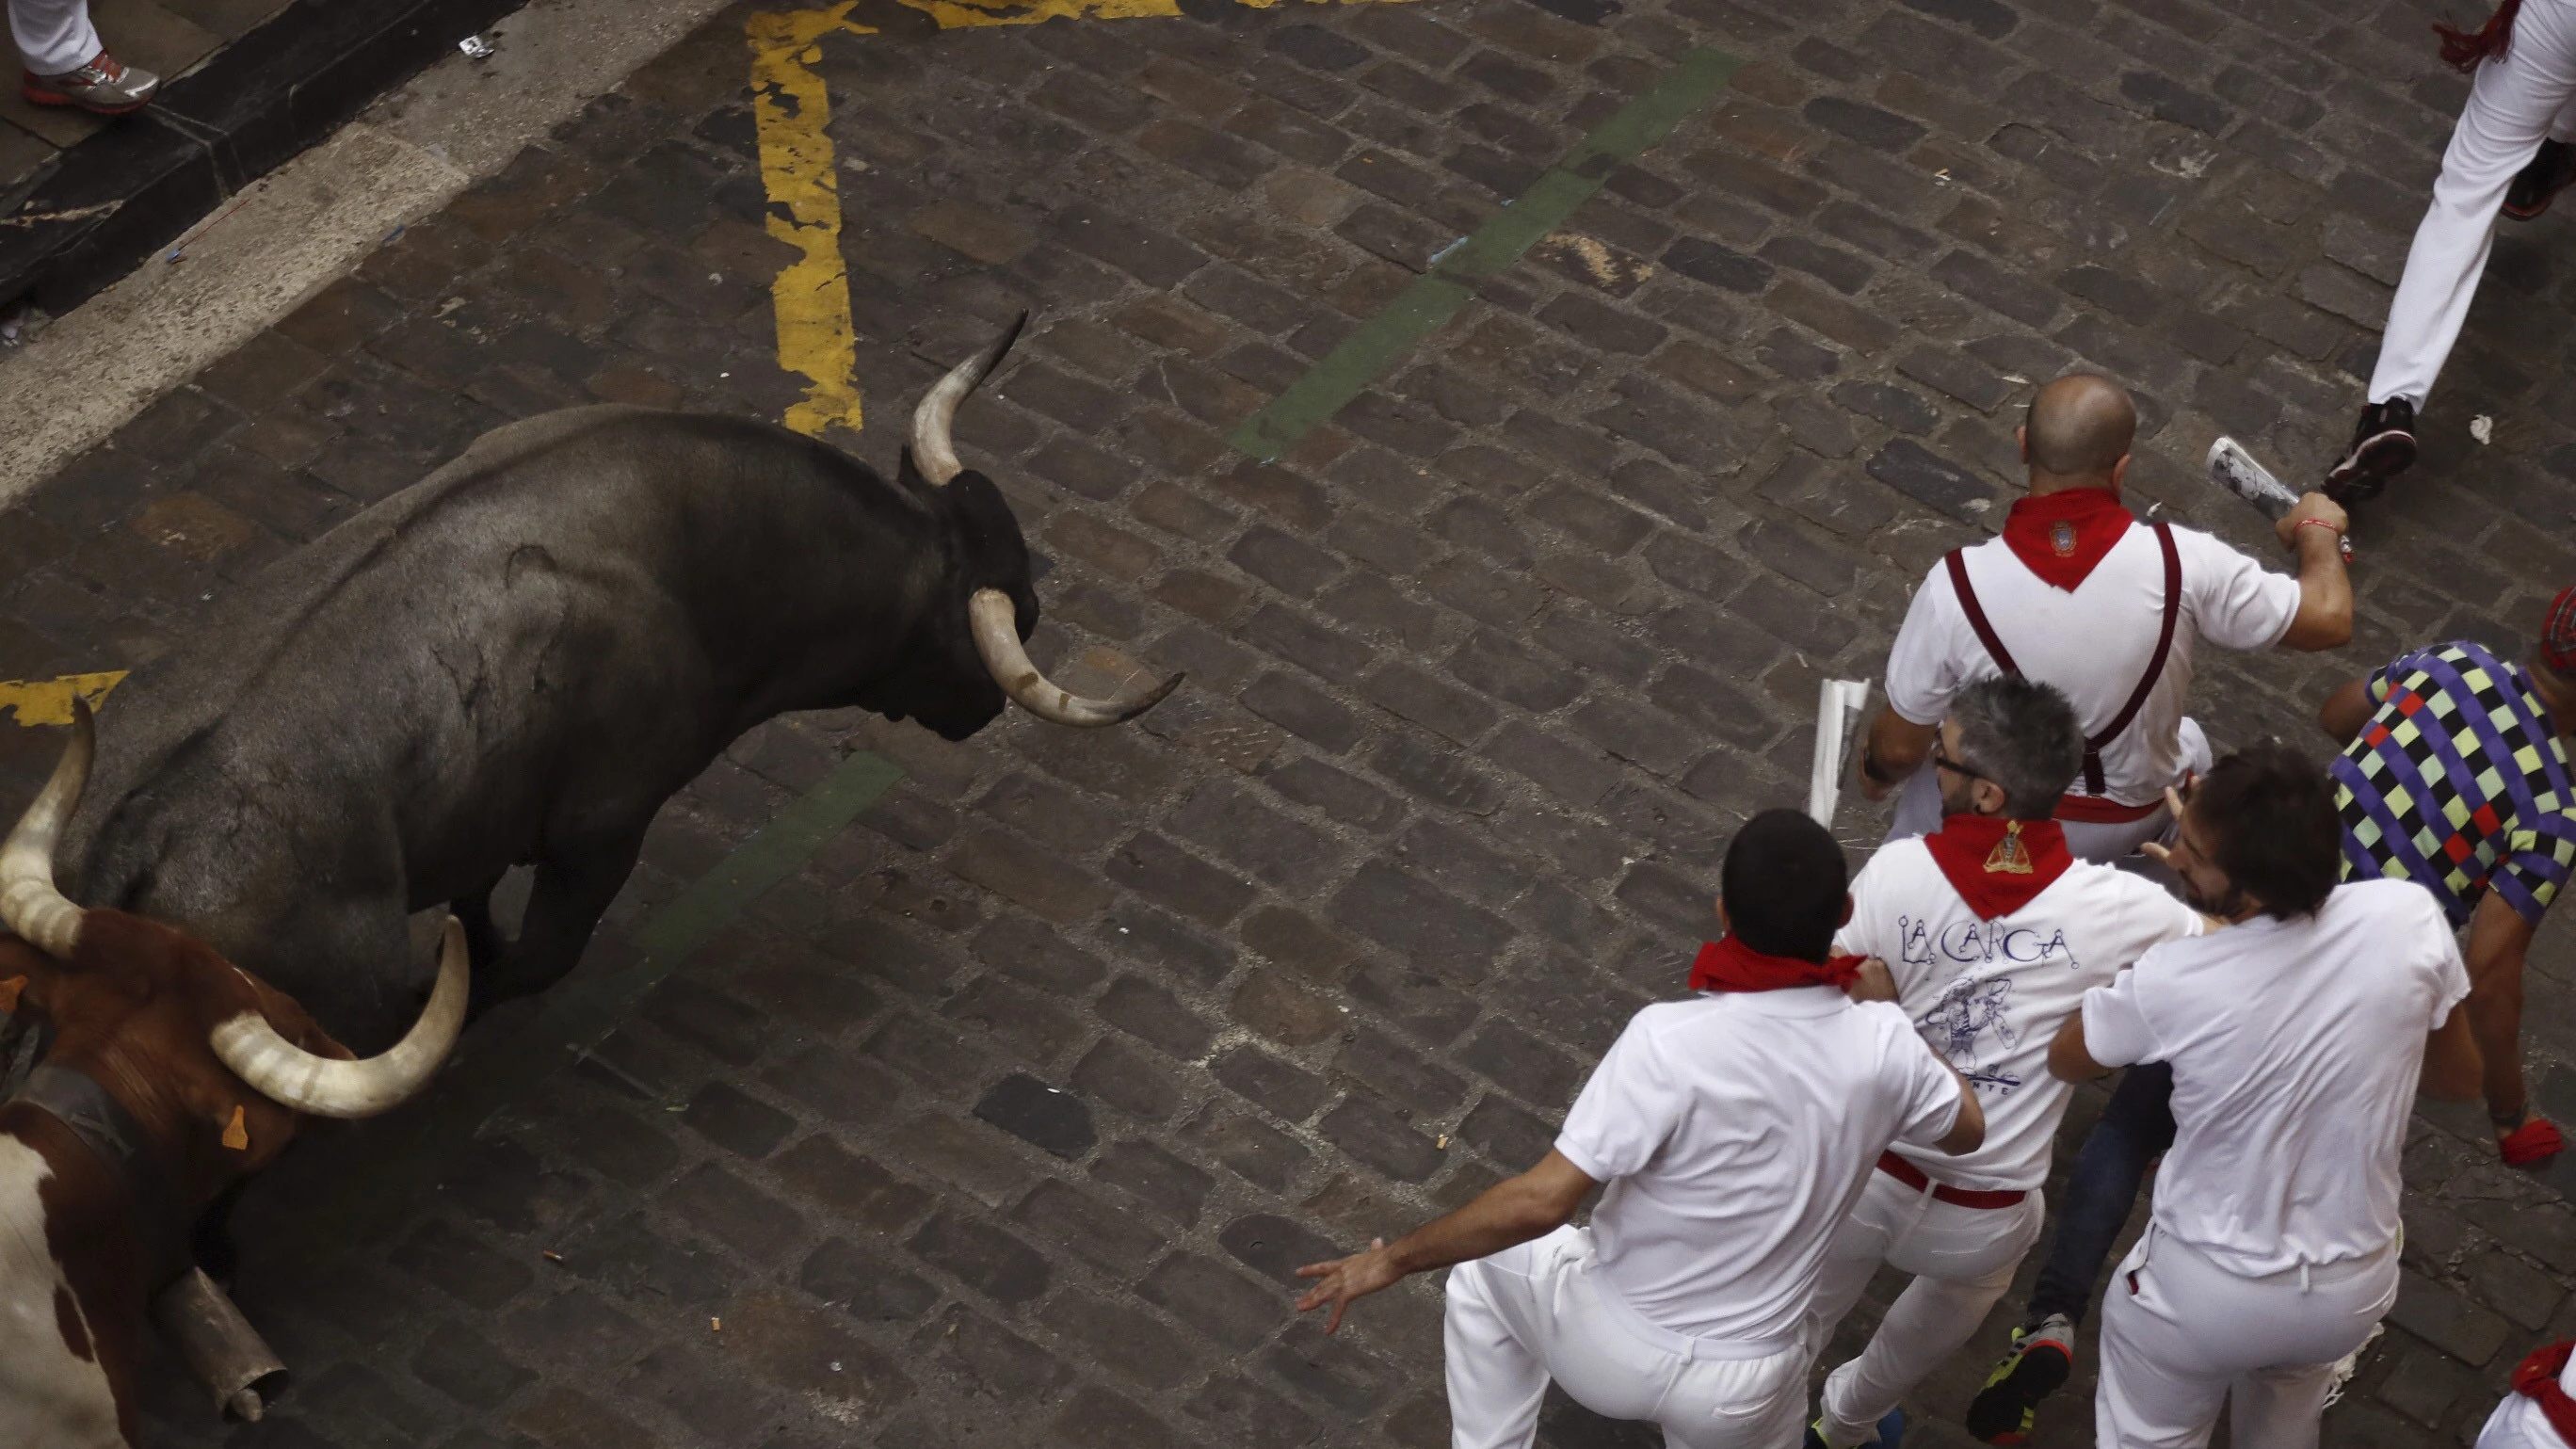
(327, 1087)
(29, 904)
(997, 638)
(934, 452)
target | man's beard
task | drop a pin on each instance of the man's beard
(1961, 801)
(2225, 906)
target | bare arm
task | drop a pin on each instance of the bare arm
(2498, 939)
(1899, 746)
(2347, 710)
(1512, 1211)
(2453, 1070)
(1968, 1132)
(2068, 1061)
(2324, 620)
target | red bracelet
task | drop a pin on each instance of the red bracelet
(2317, 523)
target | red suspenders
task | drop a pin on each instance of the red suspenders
(2093, 743)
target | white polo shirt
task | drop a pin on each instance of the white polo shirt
(1990, 995)
(1735, 1130)
(2093, 643)
(2295, 1046)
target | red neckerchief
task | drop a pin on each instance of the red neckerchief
(2060, 536)
(1997, 865)
(1727, 964)
(2537, 1378)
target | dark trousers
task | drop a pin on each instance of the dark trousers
(2134, 1131)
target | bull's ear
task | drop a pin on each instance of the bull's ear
(28, 978)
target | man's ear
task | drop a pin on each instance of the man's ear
(2120, 474)
(2021, 441)
(1847, 910)
(1989, 797)
(1724, 926)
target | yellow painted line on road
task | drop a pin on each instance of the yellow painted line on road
(49, 701)
(811, 298)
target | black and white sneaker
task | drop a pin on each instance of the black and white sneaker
(2383, 446)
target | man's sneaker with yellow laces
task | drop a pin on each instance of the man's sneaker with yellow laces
(103, 87)
(2042, 1356)
(1891, 1434)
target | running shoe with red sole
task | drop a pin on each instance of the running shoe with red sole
(2551, 171)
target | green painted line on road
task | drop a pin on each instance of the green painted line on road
(405, 1158)
(1435, 296)
(773, 853)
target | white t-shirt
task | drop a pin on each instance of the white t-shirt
(1735, 1131)
(2094, 643)
(1990, 995)
(2295, 1048)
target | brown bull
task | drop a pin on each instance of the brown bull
(170, 1076)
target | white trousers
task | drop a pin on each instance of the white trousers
(2189, 1334)
(53, 35)
(2518, 1423)
(1536, 1312)
(2514, 104)
(1962, 1259)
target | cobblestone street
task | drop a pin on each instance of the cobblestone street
(1003, 1119)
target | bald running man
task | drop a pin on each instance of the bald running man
(2076, 594)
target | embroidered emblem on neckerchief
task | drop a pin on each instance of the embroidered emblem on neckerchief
(2061, 539)
(1998, 866)
(2010, 856)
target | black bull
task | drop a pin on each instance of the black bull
(517, 660)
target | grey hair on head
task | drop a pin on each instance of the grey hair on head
(2023, 736)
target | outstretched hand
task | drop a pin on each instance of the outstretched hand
(2156, 850)
(1346, 1279)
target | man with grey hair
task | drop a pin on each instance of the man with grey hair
(2074, 594)
(1992, 932)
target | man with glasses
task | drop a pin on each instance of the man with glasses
(2297, 1038)
(1992, 932)
(2074, 594)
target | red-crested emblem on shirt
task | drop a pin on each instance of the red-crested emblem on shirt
(2061, 539)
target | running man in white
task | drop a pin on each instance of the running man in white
(2510, 152)
(1734, 1130)
(2078, 594)
(2297, 1038)
(1993, 932)
(2539, 1413)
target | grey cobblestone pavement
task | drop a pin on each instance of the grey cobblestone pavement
(1002, 1122)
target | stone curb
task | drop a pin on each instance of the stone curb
(258, 102)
